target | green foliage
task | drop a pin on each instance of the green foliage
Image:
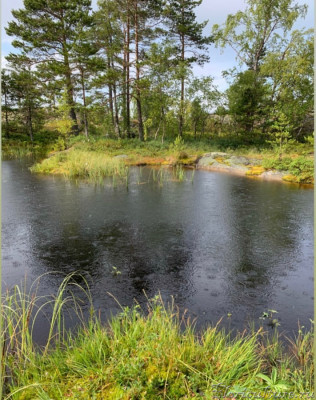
(178, 143)
(152, 355)
(252, 32)
(66, 52)
(279, 64)
(280, 131)
(247, 100)
(289, 66)
(277, 385)
(300, 167)
(60, 144)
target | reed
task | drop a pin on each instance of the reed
(179, 173)
(83, 164)
(150, 353)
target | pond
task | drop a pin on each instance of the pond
(219, 244)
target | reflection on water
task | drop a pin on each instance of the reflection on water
(223, 244)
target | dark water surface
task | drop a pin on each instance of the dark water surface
(224, 244)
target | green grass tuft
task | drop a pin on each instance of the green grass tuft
(147, 354)
(82, 164)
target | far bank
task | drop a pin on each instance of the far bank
(95, 158)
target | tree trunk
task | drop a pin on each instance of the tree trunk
(85, 119)
(182, 86)
(116, 116)
(111, 97)
(6, 131)
(124, 112)
(29, 122)
(128, 113)
(163, 130)
(138, 94)
(70, 91)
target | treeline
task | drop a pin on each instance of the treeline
(126, 69)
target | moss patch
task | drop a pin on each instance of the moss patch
(255, 170)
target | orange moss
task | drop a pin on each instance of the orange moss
(149, 161)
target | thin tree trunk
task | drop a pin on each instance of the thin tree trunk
(128, 113)
(70, 91)
(163, 129)
(158, 129)
(138, 94)
(182, 86)
(116, 116)
(125, 84)
(111, 96)
(6, 132)
(29, 121)
(85, 119)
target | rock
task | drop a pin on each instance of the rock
(254, 161)
(273, 175)
(209, 158)
(121, 156)
(218, 154)
(220, 166)
(238, 160)
(238, 167)
(205, 161)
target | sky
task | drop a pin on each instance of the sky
(215, 11)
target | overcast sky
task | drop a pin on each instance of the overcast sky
(215, 11)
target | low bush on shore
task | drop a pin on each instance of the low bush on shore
(146, 354)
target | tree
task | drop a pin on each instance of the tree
(161, 92)
(145, 14)
(290, 69)
(204, 97)
(7, 98)
(109, 37)
(247, 100)
(251, 33)
(85, 64)
(47, 31)
(26, 90)
(183, 28)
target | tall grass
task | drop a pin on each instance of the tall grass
(82, 164)
(20, 310)
(146, 354)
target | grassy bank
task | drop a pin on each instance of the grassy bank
(149, 355)
(20, 146)
(97, 158)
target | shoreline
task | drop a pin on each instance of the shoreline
(223, 167)
(109, 158)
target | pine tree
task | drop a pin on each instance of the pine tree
(7, 98)
(188, 33)
(109, 36)
(47, 30)
(26, 91)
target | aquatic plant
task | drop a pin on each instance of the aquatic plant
(179, 173)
